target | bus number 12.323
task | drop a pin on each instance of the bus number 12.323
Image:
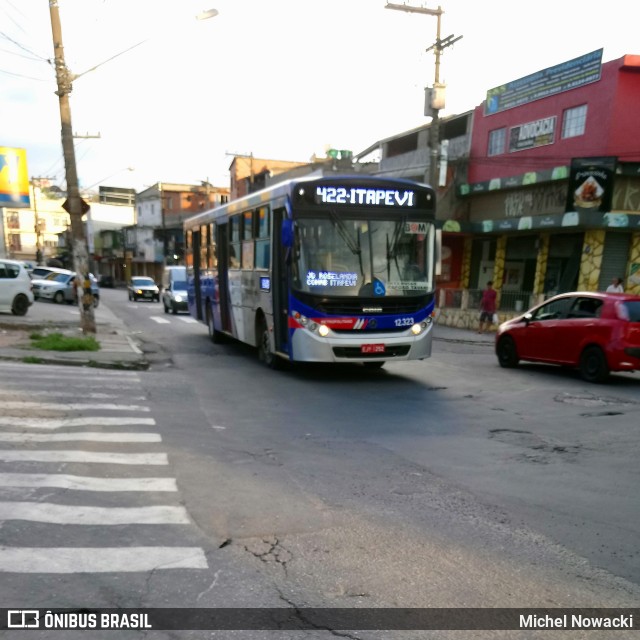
(404, 322)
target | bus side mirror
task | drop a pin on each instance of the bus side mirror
(287, 233)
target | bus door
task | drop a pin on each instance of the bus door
(197, 248)
(223, 274)
(280, 284)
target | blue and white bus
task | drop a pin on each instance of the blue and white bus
(331, 269)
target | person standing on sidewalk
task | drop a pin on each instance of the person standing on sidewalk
(615, 286)
(487, 307)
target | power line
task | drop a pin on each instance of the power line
(21, 46)
(20, 55)
(10, 17)
(22, 75)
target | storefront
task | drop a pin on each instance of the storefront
(524, 238)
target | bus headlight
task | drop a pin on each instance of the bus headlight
(418, 328)
(312, 326)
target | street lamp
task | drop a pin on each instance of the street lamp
(435, 96)
(205, 15)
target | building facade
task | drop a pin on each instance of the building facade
(157, 238)
(248, 174)
(539, 189)
(31, 234)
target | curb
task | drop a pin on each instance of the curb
(482, 343)
(134, 365)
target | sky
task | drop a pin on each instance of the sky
(172, 98)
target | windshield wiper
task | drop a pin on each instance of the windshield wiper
(344, 234)
(392, 247)
(392, 250)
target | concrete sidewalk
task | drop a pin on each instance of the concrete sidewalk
(118, 350)
(467, 336)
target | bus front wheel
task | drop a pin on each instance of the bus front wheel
(264, 346)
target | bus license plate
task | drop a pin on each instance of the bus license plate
(372, 348)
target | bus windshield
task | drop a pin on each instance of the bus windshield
(341, 256)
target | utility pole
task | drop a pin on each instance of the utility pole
(37, 225)
(164, 228)
(74, 203)
(435, 96)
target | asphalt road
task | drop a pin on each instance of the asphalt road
(443, 483)
(537, 445)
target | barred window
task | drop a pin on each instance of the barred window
(574, 121)
(497, 138)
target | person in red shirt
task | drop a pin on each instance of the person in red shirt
(487, 307)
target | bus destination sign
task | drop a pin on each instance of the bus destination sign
(403, 198)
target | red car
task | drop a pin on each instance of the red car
(595, 332)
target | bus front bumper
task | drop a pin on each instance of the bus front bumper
(308, 346)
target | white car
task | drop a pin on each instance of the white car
(59, 286)
(39, 273)
(16, 294)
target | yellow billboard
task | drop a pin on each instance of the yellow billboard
(14, 178)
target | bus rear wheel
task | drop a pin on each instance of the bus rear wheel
(214, 335)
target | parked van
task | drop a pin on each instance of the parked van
(174, 289)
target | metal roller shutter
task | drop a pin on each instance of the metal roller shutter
(614, 258)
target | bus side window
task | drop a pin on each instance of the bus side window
(189, 249)
(234, 263)
(247, 244)
(204, 245)
(213, 258)
(263, 241)
(234, 242)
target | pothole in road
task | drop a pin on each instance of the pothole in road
(543, 450)
(601, 414)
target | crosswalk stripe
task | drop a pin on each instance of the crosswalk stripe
(160, 320)
(86, 383)
(10, 455)
(84, 515)
(99, 559)
(74, 406)
(188, 320)
(68, 393)
(84, 436)
(61, 423)
(86, 483)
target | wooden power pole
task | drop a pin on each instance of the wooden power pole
(75, 205)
